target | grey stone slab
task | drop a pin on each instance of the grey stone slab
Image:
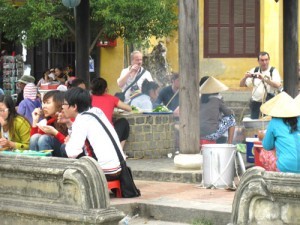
(56, 191)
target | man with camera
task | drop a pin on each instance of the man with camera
(265, 81)
(133, 76)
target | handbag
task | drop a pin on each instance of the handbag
(121, 95)
(128, 187)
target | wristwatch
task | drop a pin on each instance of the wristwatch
(266, 78)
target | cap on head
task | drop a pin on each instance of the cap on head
(26, 79)
(30, 91)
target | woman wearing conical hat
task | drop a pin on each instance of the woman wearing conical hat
(215, 117)
(283, 132)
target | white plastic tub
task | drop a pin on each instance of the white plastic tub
(218, 165)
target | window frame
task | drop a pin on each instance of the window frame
(231, 26)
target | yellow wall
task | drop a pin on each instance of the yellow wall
(229, 70)
(111, 64)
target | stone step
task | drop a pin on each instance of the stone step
(139, 221)
(163, 170)
(173, 195)
(183, 212)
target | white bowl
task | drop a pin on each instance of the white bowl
(255, 123)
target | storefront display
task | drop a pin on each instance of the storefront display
(13, 69)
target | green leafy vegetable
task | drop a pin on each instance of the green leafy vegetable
(161, 108)
(134, 109)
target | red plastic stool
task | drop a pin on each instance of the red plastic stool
(205, 141)
(115, 184)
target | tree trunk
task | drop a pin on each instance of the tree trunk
(82, 40)
(290, 46)
(189, 76)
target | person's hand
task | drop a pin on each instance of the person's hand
(5, 143)
(49, 130)
(36, 114)
(176, 112)
(67, 139)
(261, 134)
(134, 68)
(248, 74)
(259, 76)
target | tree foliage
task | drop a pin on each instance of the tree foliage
(133, 20)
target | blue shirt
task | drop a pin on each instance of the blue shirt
(165, 96)
(287, 145)
(27, 106)
(143, 102)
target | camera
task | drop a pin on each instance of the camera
(254, 75)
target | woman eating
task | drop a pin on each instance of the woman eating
(48, 133)
(15, 129)
(146, 99)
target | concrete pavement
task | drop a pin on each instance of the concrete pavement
(181, 199)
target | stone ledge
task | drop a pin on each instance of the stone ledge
(56, 191)
(266, 198)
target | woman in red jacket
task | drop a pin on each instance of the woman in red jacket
(48, 133)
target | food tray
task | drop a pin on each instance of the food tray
(28, 152)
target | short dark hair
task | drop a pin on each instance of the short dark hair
(98, 86)
(80, 97)
(75, 83)
(262, 54)
(147, 86)
(174, 76)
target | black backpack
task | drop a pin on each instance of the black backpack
(271, 70)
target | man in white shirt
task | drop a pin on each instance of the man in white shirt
(88, 137)
(265, 81)
(129, 74)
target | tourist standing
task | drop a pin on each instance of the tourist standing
(128, 75)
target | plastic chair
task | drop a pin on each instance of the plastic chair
(115, 184)
(205, 141)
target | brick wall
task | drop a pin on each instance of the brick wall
(151, 136)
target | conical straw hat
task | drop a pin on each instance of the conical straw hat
(212, 85)
(282, 105)
(297, 100)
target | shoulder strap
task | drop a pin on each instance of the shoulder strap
(256, 69)
(121, 159)
(135, 80)
(271, 71)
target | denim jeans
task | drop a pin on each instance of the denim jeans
(45, 142)
(255, 109)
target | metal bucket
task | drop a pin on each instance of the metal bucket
(218, 165)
